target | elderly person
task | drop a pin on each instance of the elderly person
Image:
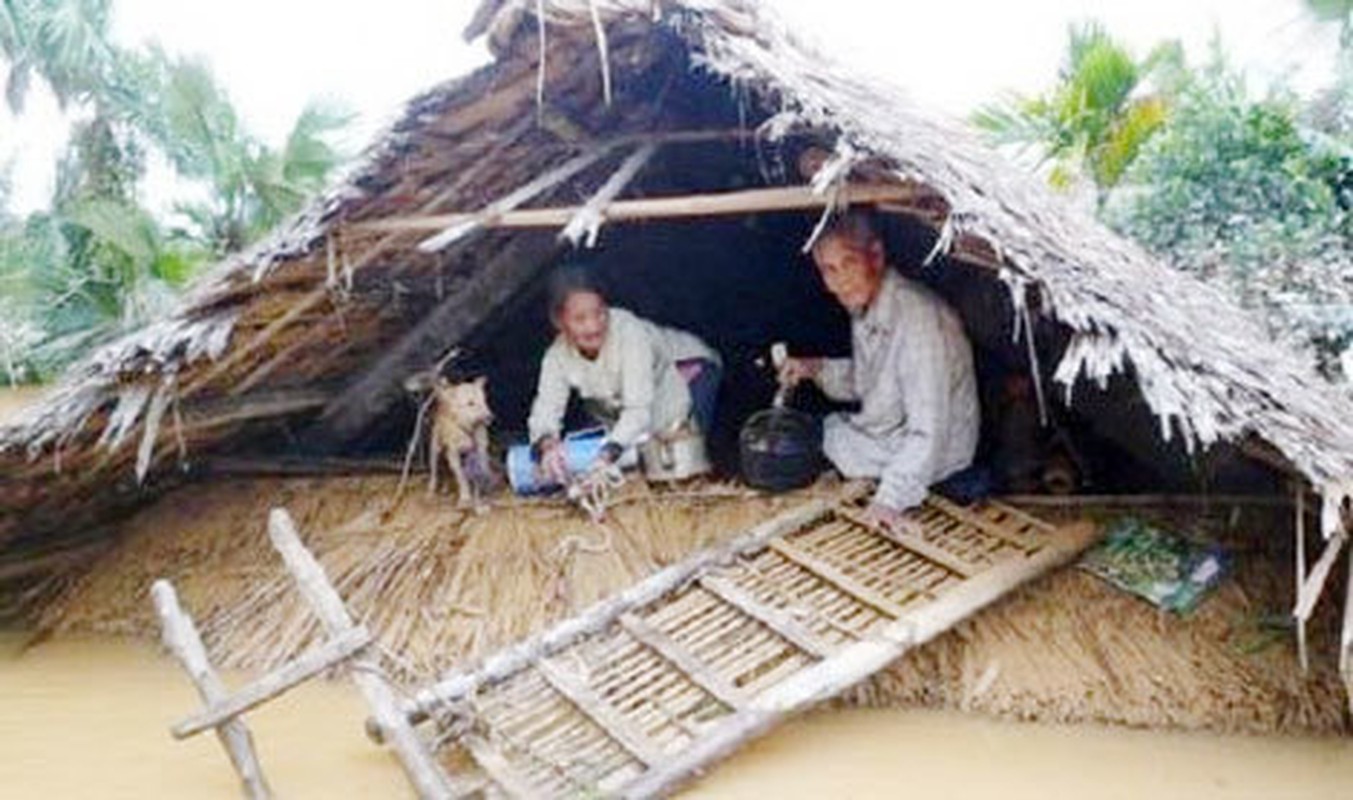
(636, 377)
(910, 368)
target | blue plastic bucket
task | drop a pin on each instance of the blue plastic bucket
(580, 452)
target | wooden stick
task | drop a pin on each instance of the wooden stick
(914, 543)
(1077, 500)
(828, 573)
(778, 621)
(612, 722)
(332, 652)
(458, 226)
(857, 661)
(300, 465)
(422, 769)
(181, 637)
(780, 198)
(1308, 594)
(977, 521)
(1299, 496)
(586, 224)
(671, 651)
(457, 685)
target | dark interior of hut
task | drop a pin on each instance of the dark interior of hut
(742, 282)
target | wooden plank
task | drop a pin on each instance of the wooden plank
(182, 639)
(422, 769)
(778, 621)
(458, 226)
(836, 577)
(914, 543)
(977, 521)
(671, 651)
(858, 661)
(275, 683)
(586, 224)
(457, 685)
(1308, 594)
(747, 201)
(499, 769)
(612, 722)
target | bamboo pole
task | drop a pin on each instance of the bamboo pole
(1308, 593)
(426, 776)
(275, 683)
(779, 198)
(586, 224)
(1299, 497)
(182, 639)
(857, 661)
(459, 226)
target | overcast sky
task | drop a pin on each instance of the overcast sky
(274, 55)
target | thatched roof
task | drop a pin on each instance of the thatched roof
(303, 321)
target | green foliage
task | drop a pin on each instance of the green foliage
(1237, 191)
(99, 263)
(1094, 121)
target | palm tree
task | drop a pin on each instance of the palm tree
(107, 263)
(1095, 120)
(252, 186)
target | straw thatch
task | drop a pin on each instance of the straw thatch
(440, 589)
(322, 317)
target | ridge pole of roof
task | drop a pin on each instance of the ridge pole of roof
(516, 198)
(586, 223)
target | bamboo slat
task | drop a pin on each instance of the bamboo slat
(695, 669)
(783, 625)
(599, 711)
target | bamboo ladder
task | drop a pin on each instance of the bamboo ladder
(648, 688)
(348, 644)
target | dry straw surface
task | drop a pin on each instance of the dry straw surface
(438, 587)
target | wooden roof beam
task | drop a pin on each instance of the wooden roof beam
(749, 201)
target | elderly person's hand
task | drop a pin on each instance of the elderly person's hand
(551, 461)
(884, 517)
(796, 370)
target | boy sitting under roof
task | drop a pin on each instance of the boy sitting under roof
(911, 369)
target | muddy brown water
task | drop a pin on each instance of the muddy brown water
(89, 718)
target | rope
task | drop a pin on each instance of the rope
(592, 493)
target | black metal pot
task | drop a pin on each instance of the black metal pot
(781, 449)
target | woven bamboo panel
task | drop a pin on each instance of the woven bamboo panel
(659, 681)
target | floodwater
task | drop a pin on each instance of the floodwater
(89, 718)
